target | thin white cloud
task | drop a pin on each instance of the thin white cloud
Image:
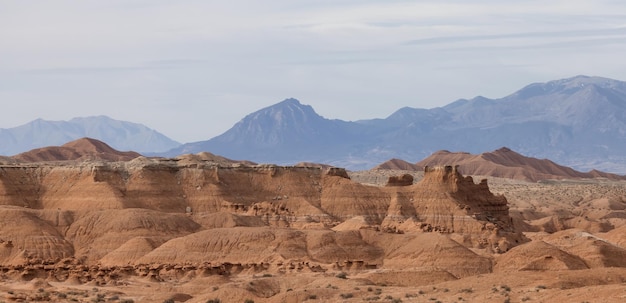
(150, 61)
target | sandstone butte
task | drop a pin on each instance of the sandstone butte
(200, 227)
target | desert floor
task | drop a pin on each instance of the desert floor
(577, 226)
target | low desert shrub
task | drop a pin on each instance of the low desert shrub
(346, 295)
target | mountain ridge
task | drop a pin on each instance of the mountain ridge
(287, 125)
(577, 122)
(121, 135)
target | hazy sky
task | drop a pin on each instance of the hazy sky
(192, 69)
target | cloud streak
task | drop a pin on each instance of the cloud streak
(165, 63)
(577, 34)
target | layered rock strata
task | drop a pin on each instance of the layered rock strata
(164, 211)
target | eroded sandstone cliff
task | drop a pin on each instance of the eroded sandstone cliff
(215, 217)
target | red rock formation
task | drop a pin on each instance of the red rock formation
(503, 163)
(121, 212)
(404, 180)
(81, 149)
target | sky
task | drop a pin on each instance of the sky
(192, 69)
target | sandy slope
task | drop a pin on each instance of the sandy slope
(193, 230)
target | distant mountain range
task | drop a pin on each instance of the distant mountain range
(579, 122)
(121, 135)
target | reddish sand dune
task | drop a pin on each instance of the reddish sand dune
(505, 163)
(81, 149)
(595, 251)
(538, 255)
(397, 164)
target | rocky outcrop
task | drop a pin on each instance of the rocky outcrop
(445, 201)
(119, 212)
(404, 180)
(474, 200)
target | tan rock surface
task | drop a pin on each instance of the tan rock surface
(200, 227)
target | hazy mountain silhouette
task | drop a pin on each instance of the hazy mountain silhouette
(287, 132)
(120, 135)
(579, 122)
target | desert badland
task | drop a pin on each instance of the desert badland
(312, 151)
(101, 225)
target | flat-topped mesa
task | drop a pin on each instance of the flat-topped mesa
(403, 180)
(337, 171)
(449, 177)
(441, 173)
